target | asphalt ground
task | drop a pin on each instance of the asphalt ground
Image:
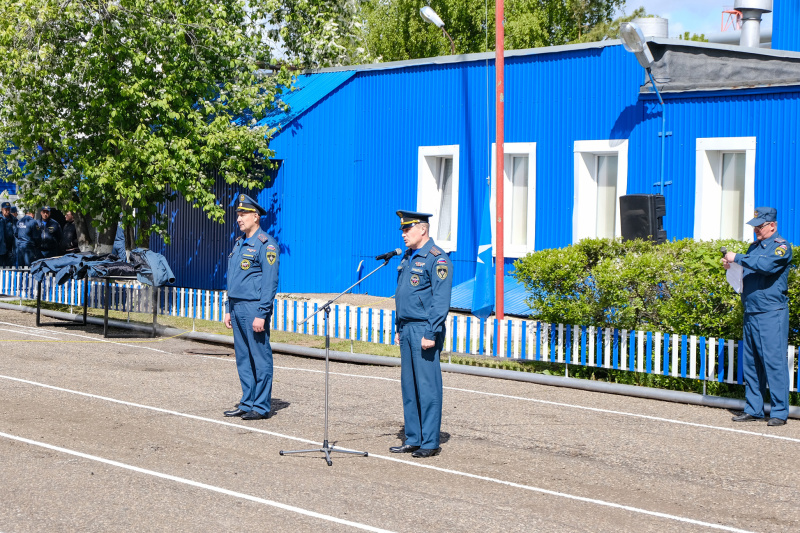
(127, 434)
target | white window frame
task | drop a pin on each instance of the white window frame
(584, 204)
(510, 150)
(429, 197)
(707, 191)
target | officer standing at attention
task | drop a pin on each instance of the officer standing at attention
(252, 285)
(27, 237)
(766, 318)
(422, 298)
(9, 222)
(50, 244)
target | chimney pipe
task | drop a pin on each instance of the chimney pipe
(751, 20)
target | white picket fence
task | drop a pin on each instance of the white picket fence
(661, 353)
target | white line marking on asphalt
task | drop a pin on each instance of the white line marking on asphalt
(393, 459)
(26, 333)
(560, 404)
(97, 339)
(197, 484)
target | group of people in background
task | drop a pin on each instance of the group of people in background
(27, 238)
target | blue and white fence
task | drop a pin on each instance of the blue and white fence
(686, 356)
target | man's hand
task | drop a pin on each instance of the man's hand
(426, 344)
(227, 321)
(397, 338)
(730, 257)
(258, 325)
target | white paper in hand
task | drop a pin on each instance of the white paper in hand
(734, 276)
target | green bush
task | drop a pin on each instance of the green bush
(675, 287)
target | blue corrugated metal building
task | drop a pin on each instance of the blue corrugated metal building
(359, 143)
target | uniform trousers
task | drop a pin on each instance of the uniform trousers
(26, 254)
(421, 384)
(253, 357)
(766, 343)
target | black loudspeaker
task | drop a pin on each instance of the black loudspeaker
(641, 217)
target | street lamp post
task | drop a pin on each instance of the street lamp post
(427, 13)
(633, 41)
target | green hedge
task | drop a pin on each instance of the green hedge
(675, 287)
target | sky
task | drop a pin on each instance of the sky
(694, 16)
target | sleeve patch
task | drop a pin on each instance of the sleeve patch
(435, 251)
(780, 252)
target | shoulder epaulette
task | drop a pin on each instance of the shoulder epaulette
(239, 238)
(262, 237)
(435, 251)
(780, 240)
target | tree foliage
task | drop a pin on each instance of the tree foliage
(393, 29)
(318, 33)
(676, 287)
(115, 106)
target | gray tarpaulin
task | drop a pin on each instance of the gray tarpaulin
(700, 67)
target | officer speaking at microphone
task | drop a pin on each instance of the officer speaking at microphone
(252, 285)
(422, 298)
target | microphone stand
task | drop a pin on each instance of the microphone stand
(326, 448)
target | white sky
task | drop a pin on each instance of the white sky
(695, 16)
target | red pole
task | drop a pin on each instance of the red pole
(499, 158)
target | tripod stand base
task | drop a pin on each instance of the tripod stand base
(327, 450)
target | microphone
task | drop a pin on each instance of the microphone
(724, 251)
(389, 255)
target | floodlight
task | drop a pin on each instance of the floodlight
(633, 41)
(430, 15)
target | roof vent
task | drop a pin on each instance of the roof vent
(751, 11)
(653, 27)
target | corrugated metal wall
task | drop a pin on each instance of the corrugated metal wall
(770, 115)
(199, 248)
(786, 25)
(351, 160)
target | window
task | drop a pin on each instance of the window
(725, 172)
(601, 177)
(519, 198)
(437, 192)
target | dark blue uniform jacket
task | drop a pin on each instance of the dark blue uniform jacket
(766, 274)
(253, 271)
(28, 231)
(51, 235)
(424, 283)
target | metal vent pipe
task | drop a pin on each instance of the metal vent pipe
(751, 11)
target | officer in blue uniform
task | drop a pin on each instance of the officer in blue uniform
(422, 298)
(50, 243)
(252, 285)
(766, 319)
(9, 222)
(27, 236)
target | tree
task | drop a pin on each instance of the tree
(318, 33)
(609, 30)
(693, 37)
(394, 30)
(116, 106)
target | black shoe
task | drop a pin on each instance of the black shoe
(254, 415)
(405, 448)
(422, 452)
(744, 417)
(235, 412)
(776, 422)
